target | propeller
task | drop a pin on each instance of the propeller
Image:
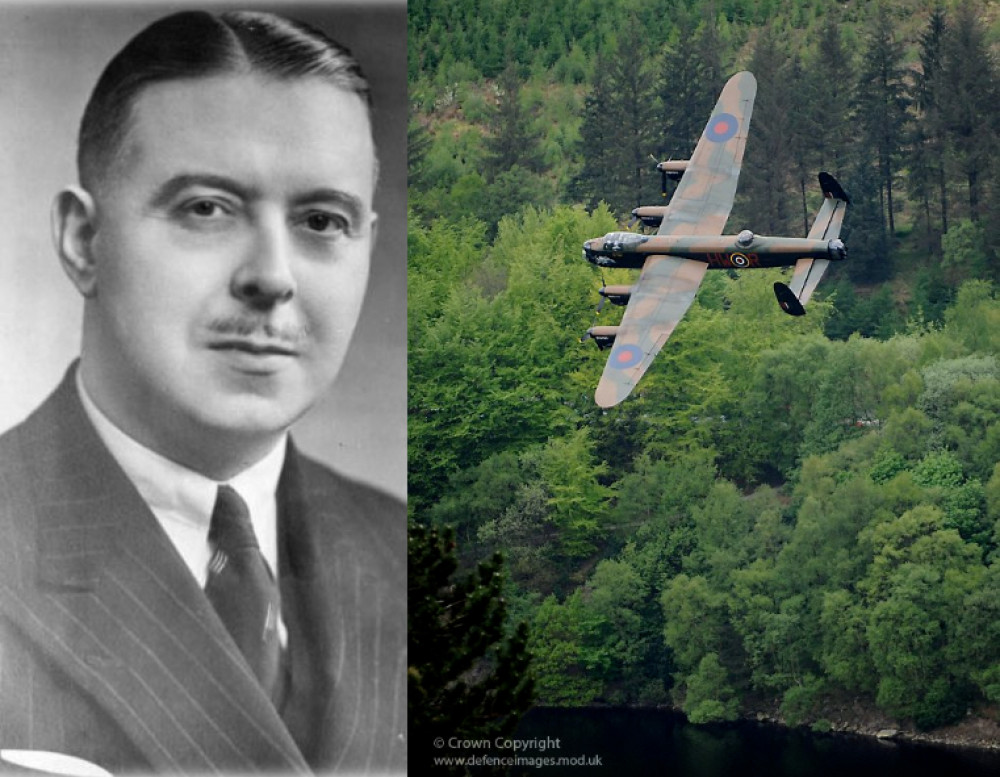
(604, 285)
(663, 175)
(600, 306)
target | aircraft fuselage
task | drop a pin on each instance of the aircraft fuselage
(722, 252)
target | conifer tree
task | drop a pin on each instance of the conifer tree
(763, 204)
(620, 127)
(882, 102)
(807, 93)
(969, 104)
(512, 140)
(927, 161)
(466, 679)
(833, 79)
(634, 113)
(691, 76)
(597, 137)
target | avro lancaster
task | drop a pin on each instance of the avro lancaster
(689, 241)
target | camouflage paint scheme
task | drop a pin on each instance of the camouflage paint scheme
(689, 241)
(722, 252)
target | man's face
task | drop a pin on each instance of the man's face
(231, 252)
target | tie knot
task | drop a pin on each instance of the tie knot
(230, 528)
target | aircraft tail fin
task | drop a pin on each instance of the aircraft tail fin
(807, 273)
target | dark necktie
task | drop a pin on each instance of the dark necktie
(242, 589)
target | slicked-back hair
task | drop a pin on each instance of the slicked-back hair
(199, 44)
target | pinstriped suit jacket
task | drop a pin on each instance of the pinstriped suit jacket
(110, 651)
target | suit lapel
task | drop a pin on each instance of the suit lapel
(306, 608)
(346, 624)
(116, 608)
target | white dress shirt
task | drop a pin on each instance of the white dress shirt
(182, 499)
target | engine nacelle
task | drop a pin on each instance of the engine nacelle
(673, 169)
(650, 215)
(603, 336)
(616, 295)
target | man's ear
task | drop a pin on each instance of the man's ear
(374, 229)
(74, 219)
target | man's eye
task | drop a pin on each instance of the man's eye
(327, 223)
(204, 208)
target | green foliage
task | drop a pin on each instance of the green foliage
(465, 676)
(785, 507)
(710, 697)
(560, 656)
(964, 251)
(577, 499)
(800, 700)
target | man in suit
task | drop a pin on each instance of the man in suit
(181, 590)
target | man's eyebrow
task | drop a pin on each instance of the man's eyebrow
(178, 183)
(166, 192)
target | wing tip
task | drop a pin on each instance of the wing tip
(607, 395)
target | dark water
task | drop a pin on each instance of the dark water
(641, 743)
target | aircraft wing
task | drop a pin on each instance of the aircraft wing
(701, 203)
(700, 206)
(665, 291)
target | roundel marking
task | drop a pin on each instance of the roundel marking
(625, 356)
(721, 127)
(739, 260)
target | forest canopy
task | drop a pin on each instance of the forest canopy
(790, 509)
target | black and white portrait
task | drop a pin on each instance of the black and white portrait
(202, 393)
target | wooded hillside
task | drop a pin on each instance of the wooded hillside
(791, 509)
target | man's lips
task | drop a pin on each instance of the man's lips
(255, 347)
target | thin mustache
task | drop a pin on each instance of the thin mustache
(256, 328)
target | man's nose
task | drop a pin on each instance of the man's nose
(264, 278)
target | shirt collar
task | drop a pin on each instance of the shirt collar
(166, 485)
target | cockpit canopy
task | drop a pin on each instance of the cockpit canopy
(623, 241)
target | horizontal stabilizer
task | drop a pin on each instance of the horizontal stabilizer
(808, 271)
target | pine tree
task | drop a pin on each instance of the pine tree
(512, 140)
(418, 142)
(804, 126)
(597, 137)
(691, 77)
(763, 203)
(927, 161)
(882, 103)
(969, 104)
(619, 128)
(466, 679)
(634, 113)
(833, 78)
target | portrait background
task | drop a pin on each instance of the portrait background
(50, 59)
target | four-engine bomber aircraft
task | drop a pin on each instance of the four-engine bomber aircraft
(689, 241)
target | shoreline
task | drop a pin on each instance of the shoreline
(974, 732)
(852, 718)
